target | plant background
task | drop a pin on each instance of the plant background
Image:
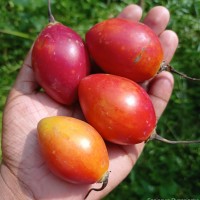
(163, 171)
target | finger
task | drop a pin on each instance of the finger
(132, 12)
(157, 19)
(160, 89)
(26, 82)
(121, 157)
(169, 41)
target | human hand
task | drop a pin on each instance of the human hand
(23, 170)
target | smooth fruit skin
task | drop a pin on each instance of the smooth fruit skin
(72, 149)
(126, 48)
(60, 60)
(118, 108)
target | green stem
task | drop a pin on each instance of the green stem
(169, 68)
(51, 17)
(155, 136)
(104, 181)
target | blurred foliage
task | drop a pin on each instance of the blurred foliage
(163, 171)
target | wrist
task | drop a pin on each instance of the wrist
(10, 186)
(5, 192)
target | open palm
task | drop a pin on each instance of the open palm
(26, 105)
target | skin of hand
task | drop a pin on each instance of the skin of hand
(23, 173)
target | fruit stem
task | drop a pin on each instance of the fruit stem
(104, 182)
(167, 67)
(141, 3)
(155, 136)
(51, 17)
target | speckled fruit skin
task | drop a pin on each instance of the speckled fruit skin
(60, 60)
(72, 149)
(118, 108)
(126, 48)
